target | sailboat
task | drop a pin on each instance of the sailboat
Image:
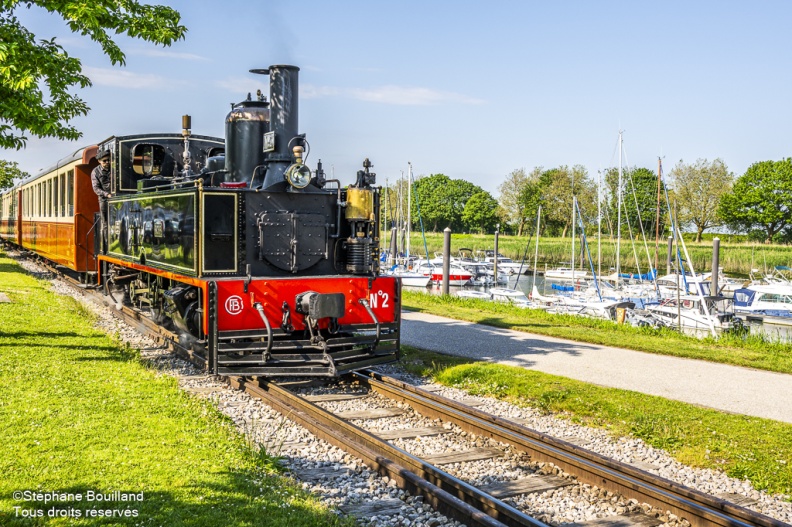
(569, 274)
(409, 276)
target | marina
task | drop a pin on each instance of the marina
(523, 291)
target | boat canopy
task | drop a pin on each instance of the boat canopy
(744, 297)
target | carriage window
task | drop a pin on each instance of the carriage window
(62, 201)
(147, 159)
(54, 183)
(70, 193)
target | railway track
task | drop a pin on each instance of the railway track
(454, 497)
(424, 475)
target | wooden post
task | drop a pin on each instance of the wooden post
(715, 265)
(495, 270)
(446, 258)
(670, 257)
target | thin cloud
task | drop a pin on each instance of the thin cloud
(118, 78)
(309, 91)
(411, 96)
(244, 85)
(168, 54)
(394, 95)
(398, 95)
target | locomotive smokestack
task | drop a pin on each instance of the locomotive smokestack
(283, 121)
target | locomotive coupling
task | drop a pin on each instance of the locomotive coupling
(320, 305)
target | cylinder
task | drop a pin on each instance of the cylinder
(360, 204)
(358, 255)
(246, 124)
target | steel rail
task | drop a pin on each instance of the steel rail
(447, 494)
(698, 508)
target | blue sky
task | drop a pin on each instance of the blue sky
(470, 89)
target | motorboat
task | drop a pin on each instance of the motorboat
(499, 294)
(581, 304)
(507, 265)
(697, 312)
(483, 274)
(672, 284)
(472, 293)
(771, 303)
(510, 296)
(566, 274)
(413, 279)
(457, 275)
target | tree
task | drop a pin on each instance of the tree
(639, 185)
(442, 200)
(36, 78)
(510, 191)
(434, 208)
(10, 172)
(698, 188)
(558, 187)
(531, 196)
(481, 212)
(457, 194)
(520, 195)
(760, 198)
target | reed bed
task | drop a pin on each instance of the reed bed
(737, 258)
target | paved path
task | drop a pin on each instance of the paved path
(719, 386)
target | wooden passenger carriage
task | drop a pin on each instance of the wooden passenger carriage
(53, 213)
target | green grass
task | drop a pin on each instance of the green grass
(751, 448)
(80, 413)
(755, 351)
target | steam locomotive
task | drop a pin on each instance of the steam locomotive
(262, 265)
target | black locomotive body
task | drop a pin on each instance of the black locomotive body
(263, 265)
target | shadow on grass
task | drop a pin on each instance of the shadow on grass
(10, 268)
(238, 498)
(22, 342)
(47, 334)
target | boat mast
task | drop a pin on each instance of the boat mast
(599, 222)
(618, 215)
(657, 219)
(573, 228)
(409, 209)
(385, 221)
(536, 254)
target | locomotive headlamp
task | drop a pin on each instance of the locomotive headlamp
(298, 175)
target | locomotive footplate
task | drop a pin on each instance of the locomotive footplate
(324, 327)
(243, 352)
